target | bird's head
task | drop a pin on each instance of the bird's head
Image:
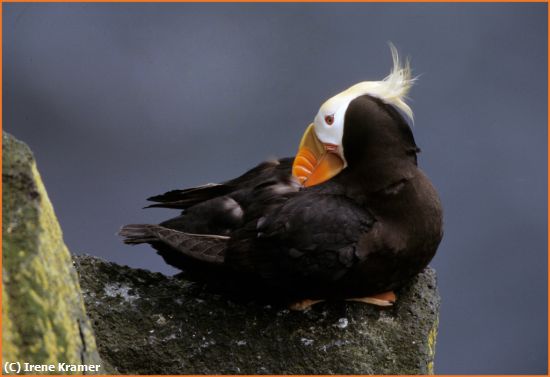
(356, 123)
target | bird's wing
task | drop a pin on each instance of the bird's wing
(183, 199)
(312, 235)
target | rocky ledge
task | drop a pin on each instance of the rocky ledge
(148, 323)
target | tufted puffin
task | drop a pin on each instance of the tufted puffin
(350, 217)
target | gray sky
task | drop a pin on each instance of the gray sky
(121, 102)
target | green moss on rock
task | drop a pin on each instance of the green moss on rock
(44, 321)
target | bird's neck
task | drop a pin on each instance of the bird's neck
(379, 175)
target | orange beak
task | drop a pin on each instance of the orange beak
(315, 162)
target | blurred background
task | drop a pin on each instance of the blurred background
(123, 101)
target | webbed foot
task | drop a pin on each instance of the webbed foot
(381, 299)
(303, 304)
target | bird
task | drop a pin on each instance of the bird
(350, 217)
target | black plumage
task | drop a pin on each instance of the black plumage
(365, 231)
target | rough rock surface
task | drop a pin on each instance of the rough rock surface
(148, 323)
(43, 316)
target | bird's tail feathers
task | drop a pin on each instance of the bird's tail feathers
(208, 248)
(135, 234)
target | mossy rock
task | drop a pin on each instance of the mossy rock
(44, 320)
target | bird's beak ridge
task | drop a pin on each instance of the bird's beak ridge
(315, 162)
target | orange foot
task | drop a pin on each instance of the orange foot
(381, 299)
(303, 304)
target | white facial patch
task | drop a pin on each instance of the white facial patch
(392, 90)
(332, 133)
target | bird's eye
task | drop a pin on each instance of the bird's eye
(329, 119)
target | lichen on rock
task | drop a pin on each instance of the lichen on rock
(44, 321)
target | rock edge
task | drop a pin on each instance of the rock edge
(148, 323)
